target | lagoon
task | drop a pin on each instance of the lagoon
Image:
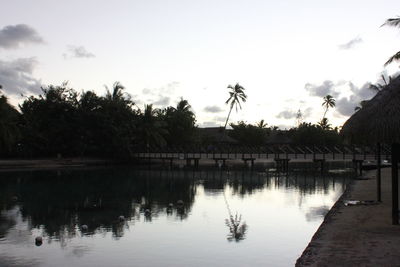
(128, 216)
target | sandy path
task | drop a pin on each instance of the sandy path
(357, 235)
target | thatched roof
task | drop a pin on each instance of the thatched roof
(216, 135)
(379, 119)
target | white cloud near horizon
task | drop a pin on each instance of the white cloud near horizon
(16, 76)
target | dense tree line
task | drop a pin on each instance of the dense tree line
(259, 134)
(62, 121)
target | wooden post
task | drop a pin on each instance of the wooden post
(378, 173)
(395, 184)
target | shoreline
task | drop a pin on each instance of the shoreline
(52, 163)
(360, 235)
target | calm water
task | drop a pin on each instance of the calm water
(279, 214)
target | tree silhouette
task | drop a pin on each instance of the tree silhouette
(236, 95)
(329, 102)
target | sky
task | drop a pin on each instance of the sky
(286, 54)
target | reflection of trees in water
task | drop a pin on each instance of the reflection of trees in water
(64, 201)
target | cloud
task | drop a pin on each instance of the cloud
(16, 36)
(161, 96)
(213, 109)
(16, 76)
(326, 88)
(291, 114)
(77, 52)
(163, 101)
(287, 114)
(351, 44)
(345, 105)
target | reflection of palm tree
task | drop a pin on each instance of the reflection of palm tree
(237, 229)
(395, 22)
(329, 102)
(236, 94)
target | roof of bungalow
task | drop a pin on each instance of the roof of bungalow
(216, 134)
(378, 121)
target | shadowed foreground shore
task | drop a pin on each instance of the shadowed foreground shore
(361, 235)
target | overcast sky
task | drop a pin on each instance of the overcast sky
(287, 54)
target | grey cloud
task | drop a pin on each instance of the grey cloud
(162, 101)
(345, 105)
(77, 52)
(146, 91)
(351, 44)
(220, 119)
(161, 96)
(164, 90)
(15, 36)
(307, 112)
(287, 114)
(326, 88)
(291, 114)
(16, 76)
(213, 109)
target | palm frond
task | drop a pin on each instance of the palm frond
(395, 57)
(395, 22)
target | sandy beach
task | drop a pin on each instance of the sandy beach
(360, 235)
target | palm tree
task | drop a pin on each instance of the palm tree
(262, 124)
(324, 124)
(329, 102)
(395, 22)
(151, 127)
(236, 94)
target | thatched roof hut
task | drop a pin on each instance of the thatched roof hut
(216, 135)
(378, 121)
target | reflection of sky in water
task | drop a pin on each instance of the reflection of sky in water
(282, 214)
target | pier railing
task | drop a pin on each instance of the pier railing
(273, 152)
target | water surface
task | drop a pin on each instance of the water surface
(172, 218)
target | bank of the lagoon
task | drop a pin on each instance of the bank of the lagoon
(53, 163)
(361, 235)
(124, 216)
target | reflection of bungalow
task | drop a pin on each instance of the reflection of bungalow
(278, 137)
(215, 135)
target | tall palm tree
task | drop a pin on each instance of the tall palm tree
(394, 22)
(329, 102)
(236, 94)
